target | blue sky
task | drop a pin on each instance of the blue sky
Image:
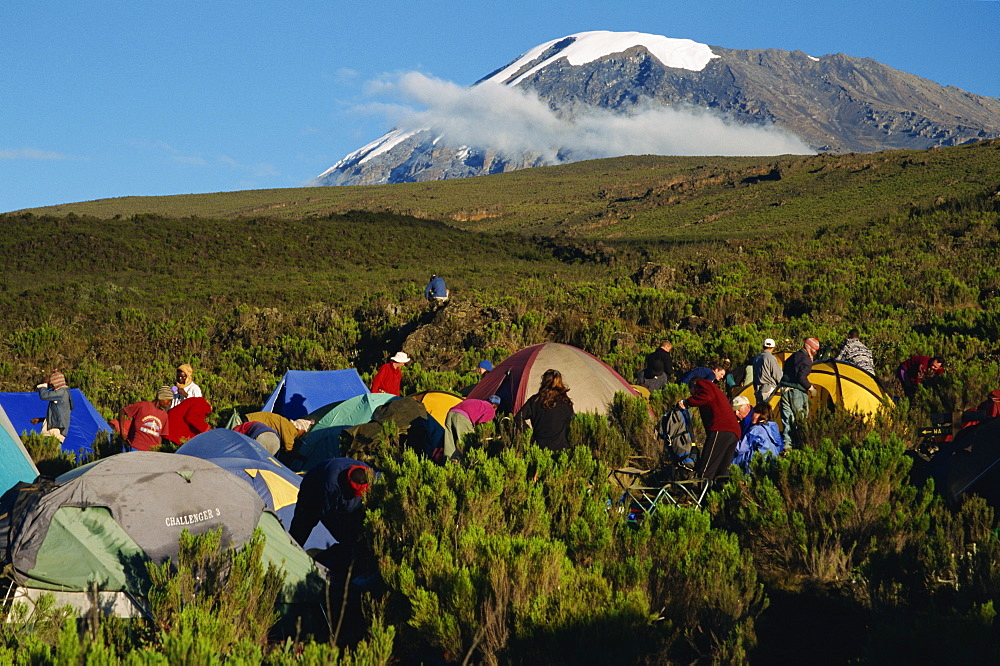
(105, 98)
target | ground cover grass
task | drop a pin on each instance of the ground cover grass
(118, 303)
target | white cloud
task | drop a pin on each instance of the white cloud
(31, 154)
(495, 116)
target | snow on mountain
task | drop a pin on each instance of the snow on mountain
(586, 47)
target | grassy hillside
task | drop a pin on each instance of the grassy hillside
(646, 197)
(715, 254)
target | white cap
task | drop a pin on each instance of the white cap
(400, 357)
(769, 343)
(739, 401)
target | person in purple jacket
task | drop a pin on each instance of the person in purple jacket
(462, 419)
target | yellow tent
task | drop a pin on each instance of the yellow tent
(437, 403)
(845, 385)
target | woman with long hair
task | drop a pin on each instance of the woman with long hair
(550, 411)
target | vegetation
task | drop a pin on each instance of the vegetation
(518, 555)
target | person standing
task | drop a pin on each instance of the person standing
(766, 373)
(856, 352)
(144, 424)
(389, 377)
(722, 430)
(58, 413)
(794, 405)
(436, 292)
(185, 386)
(550, 412)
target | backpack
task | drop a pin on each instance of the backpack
(675, 430)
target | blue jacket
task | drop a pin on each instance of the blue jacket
(761, 438)
(60, 406)
(435, 289)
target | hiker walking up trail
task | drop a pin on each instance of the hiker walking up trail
(722, 429)
(436, 292)
(185, 386)
(57, 415)
(796, 387)
(389, 377)
(550, 411)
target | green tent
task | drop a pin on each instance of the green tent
(101, 523)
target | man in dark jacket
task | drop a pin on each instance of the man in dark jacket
(331, 493)
(56, 393)
(722, 430)
(795, 387)
(659, 367)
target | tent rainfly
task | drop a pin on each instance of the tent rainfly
(84, 423)
(592, 382)
(301, 392)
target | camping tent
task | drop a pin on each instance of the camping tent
(417, 430)
(277, 485)
(970, 464)
(84, 424)
(323, 439)
(303, 391)
(437, 403)
(592, 382)
(842, 384)
(15, 463)
(100, 523)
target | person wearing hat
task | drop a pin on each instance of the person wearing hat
(331, 493)
(766, 373)
(484, 367)
(462, 419)
(796, 388)
(436, 292)
(390, 376)
(144, 424)
(57, 415)
(185, 386)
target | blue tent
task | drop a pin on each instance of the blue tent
(15, 463)
(277, 485)
(302, 392)
(84, 424)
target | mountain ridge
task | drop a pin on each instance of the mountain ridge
(834, 103)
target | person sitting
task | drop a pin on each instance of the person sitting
(184, 386)
(856, 352)
(60, 407)
(761, 437)
(744, 414)
(659, 367)
(550, 412)
(436, 292)
(915, 370)
(187, 420)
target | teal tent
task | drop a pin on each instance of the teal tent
(323, 440)
(15, 463)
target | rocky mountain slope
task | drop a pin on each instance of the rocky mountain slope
(833, 103)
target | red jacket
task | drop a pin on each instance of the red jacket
(387, 379)
(716, 412)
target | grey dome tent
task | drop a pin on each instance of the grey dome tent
(101, 523)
